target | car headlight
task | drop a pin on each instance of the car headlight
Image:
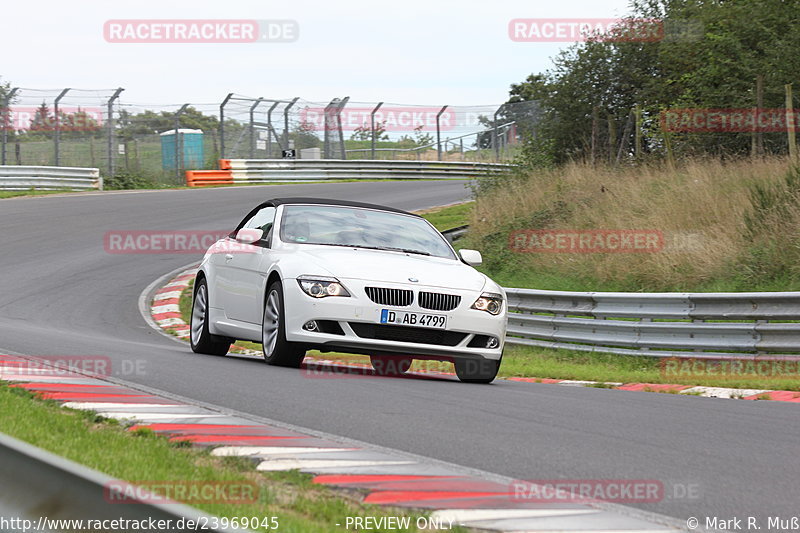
(490, 302)
(321, 286)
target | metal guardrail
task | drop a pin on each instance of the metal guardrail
(21, 178)
(39, 485)
(697, 325)
(265, 170)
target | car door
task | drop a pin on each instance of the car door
(241, 271)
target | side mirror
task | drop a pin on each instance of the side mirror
(471, 257)
(249, 235)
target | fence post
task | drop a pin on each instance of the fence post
(638, 136)
(270, 129)
(222, 125)
(372, 128)
(286, 122)
(6, 113)
(790, 125)
(253, 128)
(339, 109)
(439, 134)
(179, 143)
(57, 125)
(110, 126)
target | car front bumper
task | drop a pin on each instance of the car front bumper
(361, 332)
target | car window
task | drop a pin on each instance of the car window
(263, 219)
(361, 228)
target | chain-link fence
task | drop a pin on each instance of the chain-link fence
(131, 140)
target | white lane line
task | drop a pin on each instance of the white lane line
(243, 451)
(462, 516)
(311, 464)
(720, 392)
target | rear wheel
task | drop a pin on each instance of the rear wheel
(277, 350)
(477, 370)
(202, 340)
(390, 365)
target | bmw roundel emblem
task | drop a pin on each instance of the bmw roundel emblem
(413, 280)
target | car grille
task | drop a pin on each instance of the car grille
(393, 297)
(407, 334)
(438, 302)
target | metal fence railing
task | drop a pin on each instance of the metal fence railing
(20, 178)
(272, 170)
(126, 139)
(697, 325)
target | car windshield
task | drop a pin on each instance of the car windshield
(361, 228)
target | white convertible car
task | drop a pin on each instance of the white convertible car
(305, 273)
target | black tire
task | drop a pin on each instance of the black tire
(390, 365)
(201, 340)
(476, 370)
(277, 350)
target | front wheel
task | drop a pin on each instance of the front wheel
(390, 365)
(277, 350)
(202, 340)
(477, 370)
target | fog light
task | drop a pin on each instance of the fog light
(493, 343)
(311, 325)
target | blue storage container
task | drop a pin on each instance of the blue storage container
(193, 154)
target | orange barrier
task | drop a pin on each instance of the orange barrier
(202, 178)
(225, 164)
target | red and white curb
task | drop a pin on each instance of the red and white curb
(166, 314)
(384, 477)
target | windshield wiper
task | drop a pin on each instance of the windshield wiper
(384, 248)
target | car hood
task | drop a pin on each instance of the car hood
(390, 267)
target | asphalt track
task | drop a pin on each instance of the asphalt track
(61, 293)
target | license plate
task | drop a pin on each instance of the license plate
(419, 320)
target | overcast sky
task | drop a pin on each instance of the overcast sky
(407, 51)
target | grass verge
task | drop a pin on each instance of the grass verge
(107, 446)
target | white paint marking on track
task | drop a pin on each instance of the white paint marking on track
(312, 464)
(720, 392)
(462, 516)
(167, 308)
(243, 451)
(96, 406)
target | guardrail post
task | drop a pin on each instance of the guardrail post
(57, 126)
(286, 122)
(438, 134)
(222, 125)
(179, 143)
(6, 114)
(372, 128)
(253, 128)
(110, 126)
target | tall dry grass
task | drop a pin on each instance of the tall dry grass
(726, 225)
